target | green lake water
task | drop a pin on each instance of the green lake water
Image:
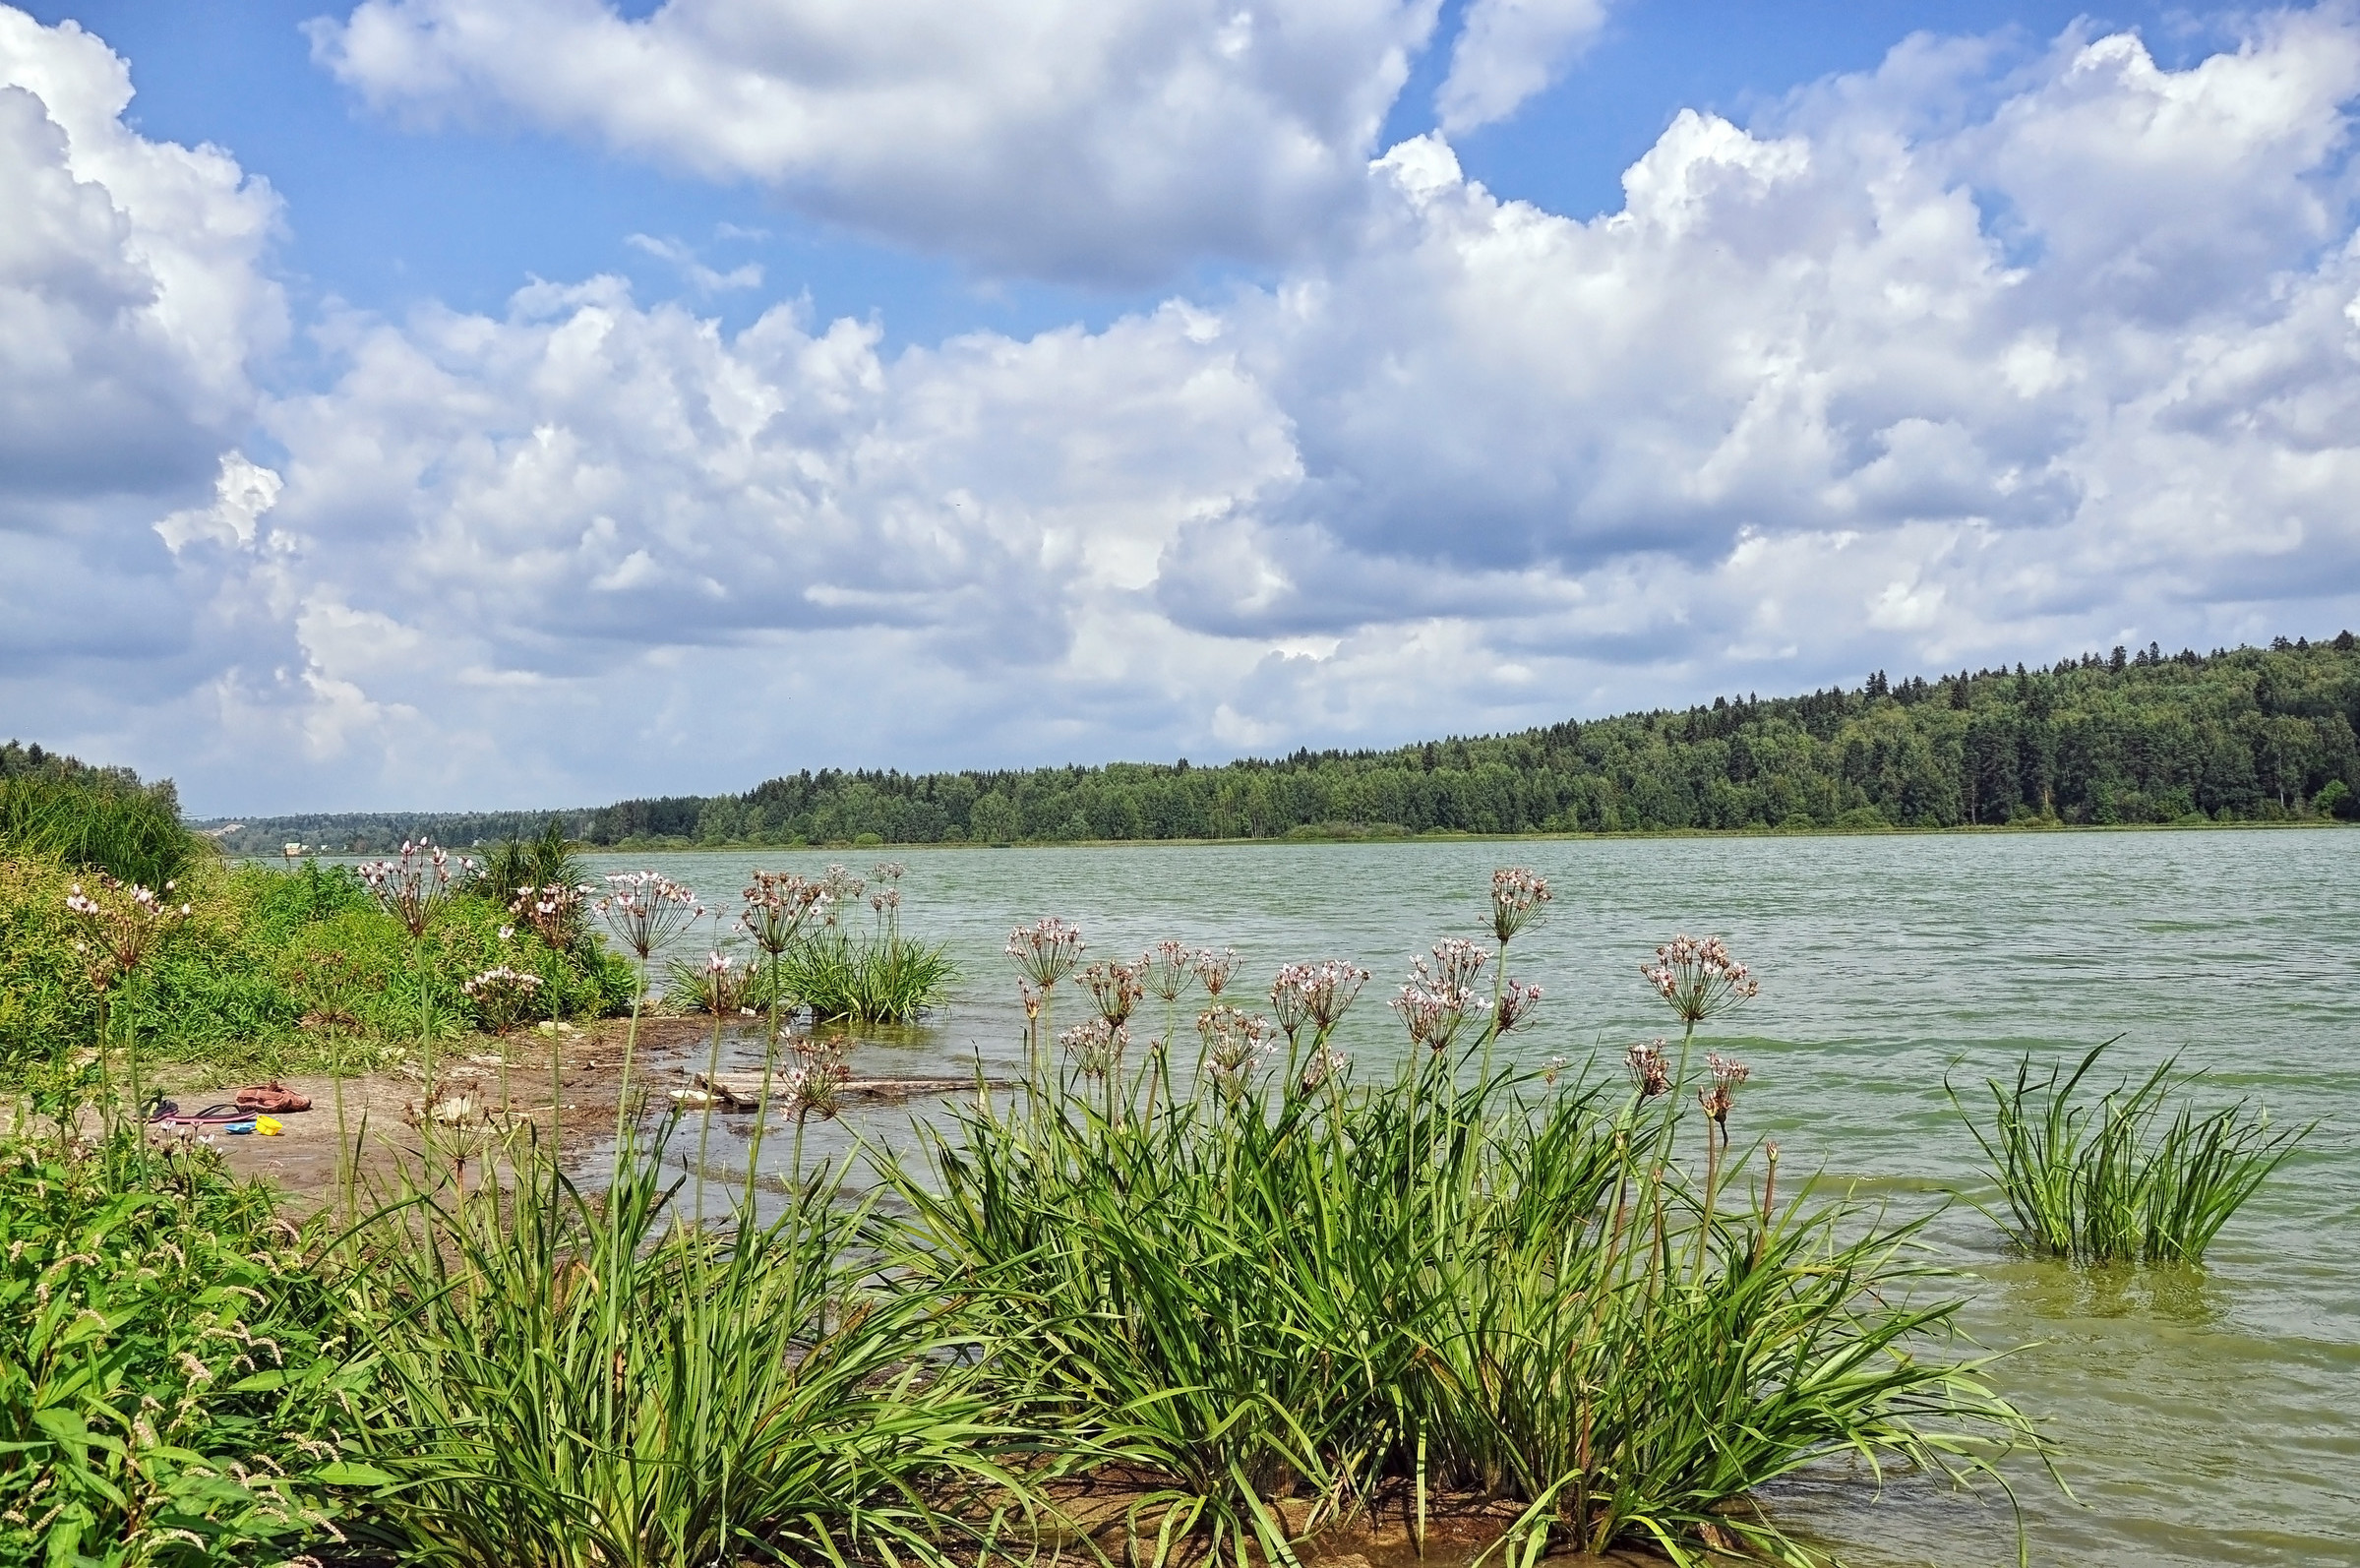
(2202, 1417)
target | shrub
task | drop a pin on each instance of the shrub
(173, 1391)
(2115, 1181)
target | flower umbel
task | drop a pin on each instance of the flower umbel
(1116, 989)
(777, 906)
(1699, 979)
(1517, 894)
(1649, 1072)
(122, 923)
(502, 996)
(1213, 970)
(1727, 1075)
(1096, 1045)
(647, 910)
(1235, 1045)
(1515, 1006)
(1167, 970)
(1046, 950)
(413, 888)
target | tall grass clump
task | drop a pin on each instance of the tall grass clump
(579, 1380)
(2124, 1177)
(100, 819)
(814, 960)
(1269, 1296)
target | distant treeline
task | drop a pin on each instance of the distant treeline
(2249, 734)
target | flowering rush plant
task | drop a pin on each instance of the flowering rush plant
(500, 995)
(1699, 979)
(778, 904)
(1046, 950)
(1167, 969)
(551, 911)
(414, 887)
(121, 925)
(1096, 1045)
(1517, 894)
(1116, 989)
(1317, 994)
(647, 910)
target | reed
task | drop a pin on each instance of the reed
(90, 821)
(2122, 1175)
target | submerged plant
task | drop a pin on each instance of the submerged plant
(2117, 1180)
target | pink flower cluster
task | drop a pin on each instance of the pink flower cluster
(414, 887)
(122, 923)
(1517, 894)
(647, 910)
(1116, 989)
(1046, 950)
(1727, 1075)
(1649, 1070)
(777, 906)
(1096, 1047)
(1316, 993)
(1236, 1043)
(1699, 978)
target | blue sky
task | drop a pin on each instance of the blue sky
(458, 404)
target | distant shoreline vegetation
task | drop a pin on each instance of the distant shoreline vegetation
(2126, 739)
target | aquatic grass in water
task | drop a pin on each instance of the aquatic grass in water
(883, 979)
(2114, 1181)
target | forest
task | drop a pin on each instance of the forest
(2127, 737)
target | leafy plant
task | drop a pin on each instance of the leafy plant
(1260, 1280)
(97, 819)
(2125, 1179)
(174, 1391)
(887, 978)
(573, 1379)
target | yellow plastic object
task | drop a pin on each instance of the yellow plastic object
(268, 1126)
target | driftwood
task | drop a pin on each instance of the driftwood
(742, 1091)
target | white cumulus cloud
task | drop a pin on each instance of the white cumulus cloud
(1972, 358)
(1092, 139)
(1506, 51)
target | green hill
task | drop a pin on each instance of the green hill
(2242, 735)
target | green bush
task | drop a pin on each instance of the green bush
(265, 950)
(173, 1391)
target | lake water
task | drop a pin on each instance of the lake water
(2203, 1418)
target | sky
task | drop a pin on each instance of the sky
(482, 403)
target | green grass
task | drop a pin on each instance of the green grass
(94, 822)
(1446, 1284)
(881, 979)
(2122, 1175)
(576, 1380)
